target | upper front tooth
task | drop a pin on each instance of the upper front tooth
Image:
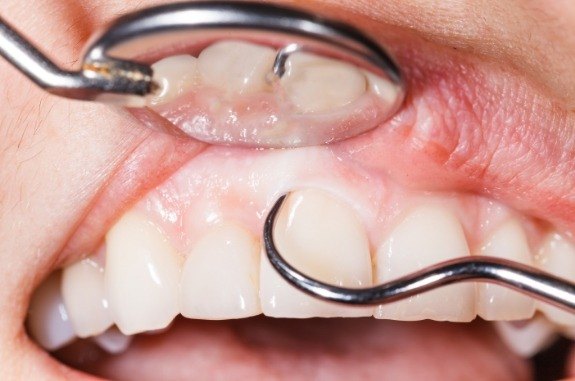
(48, 320)
(322, 237)
(142, 275)
(175, 75)
(314, 84)
(236, 67)
(557, 256)
(500, 303)
(220, 278)
(428, 235)
(84, 296)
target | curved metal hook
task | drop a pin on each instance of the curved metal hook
(519, 277)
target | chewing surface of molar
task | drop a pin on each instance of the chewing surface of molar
(236, 67)
(322, 237)
(220, 278)
(314, 84)
(175, 76)
(429, 234)
(48, 320)
(142, 275)
(557, 256)
(495, 302)
(228, 95)
(85, 299)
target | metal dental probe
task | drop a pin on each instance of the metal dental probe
(519, 277)
(110, 71)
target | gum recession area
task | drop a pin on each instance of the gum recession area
(425, 149)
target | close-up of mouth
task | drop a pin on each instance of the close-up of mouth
(161, 271)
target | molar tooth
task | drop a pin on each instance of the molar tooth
(113, 341)
(48, 321)
(220, 278)
(176, 75)
(496, 302)
(557, 256)
(383, 88)
(428, 235)
(84, 297)
(321, 236)
(236, 67)
(315, 84)
(526, 338)
(142, 275)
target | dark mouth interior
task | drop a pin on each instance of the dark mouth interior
(313, 349)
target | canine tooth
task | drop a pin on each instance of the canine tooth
(220, 278)
(428, 235)
(526, 338)
(496, 302)
(321, 236)
(236, 67)
(84, 297)
(48, 321)
(142, 275)
(113, 341)
(315, 84)
(557, 256)
(176, 75)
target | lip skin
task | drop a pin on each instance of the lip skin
(48, 181)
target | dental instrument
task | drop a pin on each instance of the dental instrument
(519, 277)
(111, 71)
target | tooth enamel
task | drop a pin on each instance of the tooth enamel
(113, 341)
(428, 235)
(236, 67)
(383, 88)
(557, 256)
(220, 278)
(322, 237)
(175, 75)
(48, 321)
(314, 84)
(84, 297)
(496, 302)
(141, 277)
(526, 338)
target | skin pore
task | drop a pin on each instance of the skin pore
(64, 162)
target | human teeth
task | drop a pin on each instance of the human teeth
(314, 84)
(384, 89)
(175, 76)
(496, 302)
(48, 321)
(557, 256)
(236, 67)
(322, 237)
(84, 297)
(220, 278)
(142, 275)
(428, 235)
(113, 341)
(526, 338)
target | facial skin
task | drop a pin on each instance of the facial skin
(62, 160)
